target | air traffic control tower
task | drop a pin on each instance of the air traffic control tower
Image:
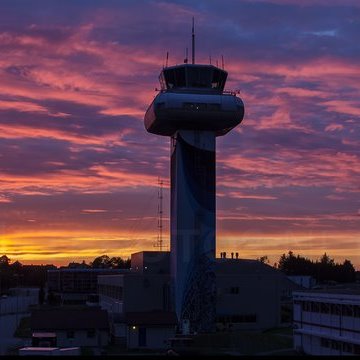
(193, 109)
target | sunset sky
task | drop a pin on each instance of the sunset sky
(78, 171)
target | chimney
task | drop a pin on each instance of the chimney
(232, 255)
(224, 254)
(237, 255)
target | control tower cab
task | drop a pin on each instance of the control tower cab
(192, 97)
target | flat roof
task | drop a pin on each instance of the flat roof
(44, 334)
(151, 318)
(345, 290)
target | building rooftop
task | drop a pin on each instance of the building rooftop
(245, 266)
(345, 289)
(95, 270)
(69, 319)
(151, 318)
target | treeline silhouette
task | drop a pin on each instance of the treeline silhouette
(323, 270)
(16, 274)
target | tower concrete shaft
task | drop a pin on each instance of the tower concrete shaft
(193, 227)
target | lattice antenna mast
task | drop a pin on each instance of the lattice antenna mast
(193, 41)
(160, 215)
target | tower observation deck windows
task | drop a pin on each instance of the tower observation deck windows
(199, 77)
(193, 76)
(175, 78)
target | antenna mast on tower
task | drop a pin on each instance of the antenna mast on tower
(193, 42)
(159, 243)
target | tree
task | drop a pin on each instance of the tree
(4, 261)
(102, 261)
(324, 270)
(325, 260)
(263, 259)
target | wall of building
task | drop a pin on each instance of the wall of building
(77, 280)
(327, 324)
(81, 338)
(240, 300)
(156, 337)
(111, 290)
(151, 262)
(145, 293)
(20, 301)
(133, 292)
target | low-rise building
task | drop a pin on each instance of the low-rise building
(75, 285)
(152, 329)
(242, 286)
(85, 327)
(327, 322)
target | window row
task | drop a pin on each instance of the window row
(333, 309)
(112, 291)
(340, 346)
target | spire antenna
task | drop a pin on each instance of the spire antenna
(193, 41)
(222, 61)
(167, 59)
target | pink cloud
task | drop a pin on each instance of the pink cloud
(334, 127)
(343, 106)
(93, 211)
(240, 195)
(301, 168)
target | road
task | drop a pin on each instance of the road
(7, 329)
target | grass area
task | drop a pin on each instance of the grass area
(245, 343)
(120, 350)
(274, 342)
(288, 331)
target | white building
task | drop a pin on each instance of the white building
(327, 322)
(78, 327)
(151, 329)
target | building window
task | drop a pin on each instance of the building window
(356, 310)
(325, 343)
(335, 345)
(234, 290)
(347, 310)
(90, 333)
(70, 334)
(315, 307)
(348, 348)
(325, 308)
(306, 306)
(335, 309)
